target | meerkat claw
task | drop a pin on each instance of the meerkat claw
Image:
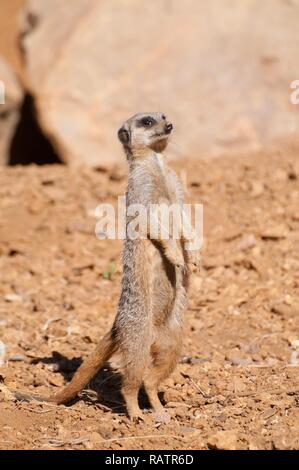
(137, 418)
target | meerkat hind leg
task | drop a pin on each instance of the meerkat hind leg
(132, 380)
(152, 393)
(158, 373)
(130, 392)
(164, 362)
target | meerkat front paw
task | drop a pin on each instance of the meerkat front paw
(176, 257)
(193, 257)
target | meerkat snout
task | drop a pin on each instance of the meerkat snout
(168, 128)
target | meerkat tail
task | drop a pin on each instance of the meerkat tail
(84, 374)
(87, 370)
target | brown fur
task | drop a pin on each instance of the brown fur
(147, 330)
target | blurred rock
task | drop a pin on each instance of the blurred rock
(10, 109)
(284, 310)
(257, 188)
(13, 298)
(96, 438)
(224, 440)
(247, 242)
(56, 380)
(275, 232)
(208, 65)
(2, 353)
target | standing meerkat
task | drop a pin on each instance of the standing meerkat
(147, 330)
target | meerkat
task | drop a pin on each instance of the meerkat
(147, 330)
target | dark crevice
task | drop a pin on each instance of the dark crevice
(29, 144)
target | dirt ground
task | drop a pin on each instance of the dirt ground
(236, 386)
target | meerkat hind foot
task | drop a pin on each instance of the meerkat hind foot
(154, 400)
(136, 415)
(134, 412)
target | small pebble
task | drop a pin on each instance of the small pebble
(17, 358)
(2, 353)
(13, 298)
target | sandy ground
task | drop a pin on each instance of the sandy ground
(237, 384)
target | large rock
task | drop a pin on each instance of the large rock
(220, 69)
(11, 97)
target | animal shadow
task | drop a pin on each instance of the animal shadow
(103, 390)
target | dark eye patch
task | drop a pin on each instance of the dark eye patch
(147, 121)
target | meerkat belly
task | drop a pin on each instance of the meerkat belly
(162, 284)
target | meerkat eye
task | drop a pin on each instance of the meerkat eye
(164, 117)
(147, 122)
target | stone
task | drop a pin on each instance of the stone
(11, 97)
(275, 232)
(247, 242)
(257, 189)
(90, 65)
(2, 353)
(223, 440)
(96, 438)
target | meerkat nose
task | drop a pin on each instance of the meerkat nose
(168, 128)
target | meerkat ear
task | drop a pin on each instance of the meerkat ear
(123, 135)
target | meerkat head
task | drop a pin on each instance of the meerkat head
(144, 132)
